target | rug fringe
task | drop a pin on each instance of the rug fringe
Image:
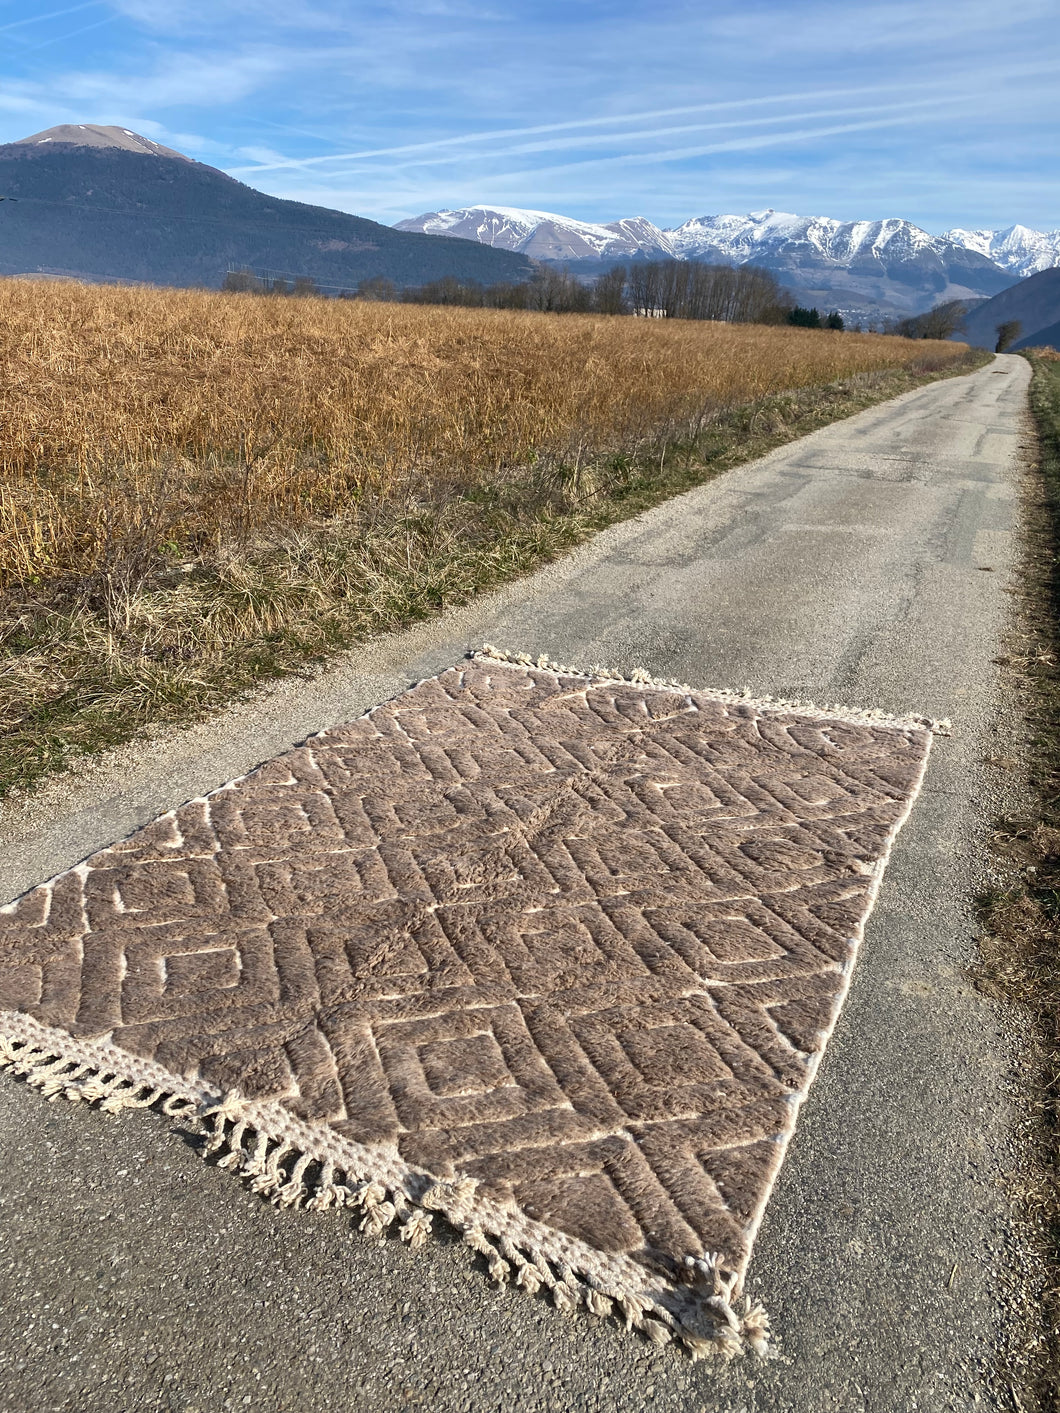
(638, 677)
(291, 1176)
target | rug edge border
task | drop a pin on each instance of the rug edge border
(857, 941)
(639, 677)
(703, 1316)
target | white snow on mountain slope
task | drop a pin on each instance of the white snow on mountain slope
(742, 238)
(872, 268)
(1019, 249)
(543, 235)
(979, 241)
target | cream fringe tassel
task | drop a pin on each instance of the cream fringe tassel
(296, 1164)
(639, 678)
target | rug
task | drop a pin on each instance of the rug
(550, 956)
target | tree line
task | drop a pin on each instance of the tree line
(946, 321)
(814, 319)
(660, 289)
(664, 289)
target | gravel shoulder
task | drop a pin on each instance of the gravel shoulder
(864, 564)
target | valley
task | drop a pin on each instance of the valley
(868, 270)
(100, 203)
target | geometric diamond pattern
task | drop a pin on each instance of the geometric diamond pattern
(581, 940)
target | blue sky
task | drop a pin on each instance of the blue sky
(946, 113)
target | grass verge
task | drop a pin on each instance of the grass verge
(92, 662)
(1020, 949)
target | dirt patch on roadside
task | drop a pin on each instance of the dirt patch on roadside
(1020, 948)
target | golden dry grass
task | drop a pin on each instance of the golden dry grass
(200, 417)
(197, 490)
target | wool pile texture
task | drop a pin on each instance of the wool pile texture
(552, 955)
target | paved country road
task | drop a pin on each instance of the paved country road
(848, 566)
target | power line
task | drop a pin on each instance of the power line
(266, 275)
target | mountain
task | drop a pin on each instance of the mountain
(1015, 248)
(870, 267)
(1049, 337)
(1035, 302)
(543, 235)
(105, 203)
(93, 135)
(890, 264)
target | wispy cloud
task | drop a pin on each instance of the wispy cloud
(51, 15)
(69, 34)
(712, 149)
(896, 26)
(179, 80)
(890, 115)
(943, 112)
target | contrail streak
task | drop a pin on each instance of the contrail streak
(679, 154)
(728, 105)
(914, 108)
(52, 15)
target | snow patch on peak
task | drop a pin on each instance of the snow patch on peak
(761, 233)
(1018, 249)
(543, 235)
(99, 135)
(891, 256)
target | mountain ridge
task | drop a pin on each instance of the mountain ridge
(1033, 302)
(118, 206)
(1018, 248)
(1021, 249)
(887, 266)
(105, 202)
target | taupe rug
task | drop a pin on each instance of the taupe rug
(552, 955)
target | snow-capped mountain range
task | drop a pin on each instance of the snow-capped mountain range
(1016, 248)
(543, 235)
(889, 265)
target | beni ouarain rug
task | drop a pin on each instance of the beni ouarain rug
(552, 957)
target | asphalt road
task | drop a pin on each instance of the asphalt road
(866, 564)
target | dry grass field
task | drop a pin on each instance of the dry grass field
(197, 489)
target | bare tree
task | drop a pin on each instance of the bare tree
(377, 287)
(447, 290)
(671, 289)
(942, 322)
(686, 289)
(644, 288)
(1007, 334)
(609, 291)
(558, 292)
